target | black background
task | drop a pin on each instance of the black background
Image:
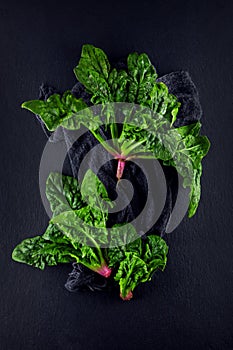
(190, 305)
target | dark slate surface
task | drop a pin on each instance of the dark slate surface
(190, 305)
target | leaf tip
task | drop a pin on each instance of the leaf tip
(24, 105)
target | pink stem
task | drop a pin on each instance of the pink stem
(127, 297)
(120, 168)
(104, 271)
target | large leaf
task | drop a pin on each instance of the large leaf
(137, 261)
(155, 253)
(56, 236)
(83, 226)
(40, 252)
(117, 82)
(163, 103)
(83, 219)
(54, 247)
(56, 109)
(93, 71)
(123, 238)
(182, 148)
(63, 193)
(195, 148)
(94, 192)
(142, 77)
(131, 272)
(195, 193)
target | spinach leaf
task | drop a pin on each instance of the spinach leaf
(63, 193)
(155, 254)
(56, 236)
(90, 202)
(94, 192)
(56, 109)
(53, 248)
(93, 71)
(75, 210)
(118, 82)
(69, 235)
(191, 129)
(195, 148)
(137, 266)
(195, 193)
(191, 150)
(182, 148)
(142, 77)
(92, 59)
(124, 238)
(136, 262)
(49, 249)
(84, 222)
(84, 226)
(131, 272)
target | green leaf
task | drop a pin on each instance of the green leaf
(54, 247)
(154, 135)
(93, 71)
(118, 81)
(131, 272)
(163, 103)
(195, 148)
(195, 193)
(56, 109)
(93, 59)
(182, 148)
(191, 129)
(85, 220)
(56, 236)
(83, 226)
(79, 214)
(63, 193)
(40, 252)
(142, 77)
(90, 257)
(94, 192)
(69, 236)
(84, 117)
(137, 261)
(124, 238)
(155, 253)
(191, 151)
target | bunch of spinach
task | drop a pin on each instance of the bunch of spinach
(75, 211)
(64, 237)
(78, 229)
(141, 131)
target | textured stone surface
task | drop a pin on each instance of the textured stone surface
(190, 305)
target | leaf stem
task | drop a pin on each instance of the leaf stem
(108, 148)
(102, 269)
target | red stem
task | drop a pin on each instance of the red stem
(127, 297)
(120, 168)
(104, 270)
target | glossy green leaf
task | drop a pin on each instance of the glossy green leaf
(56, 109)
(40, 252)
(63, 193)
(93, 71)
(142, 77)
(137, 261)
